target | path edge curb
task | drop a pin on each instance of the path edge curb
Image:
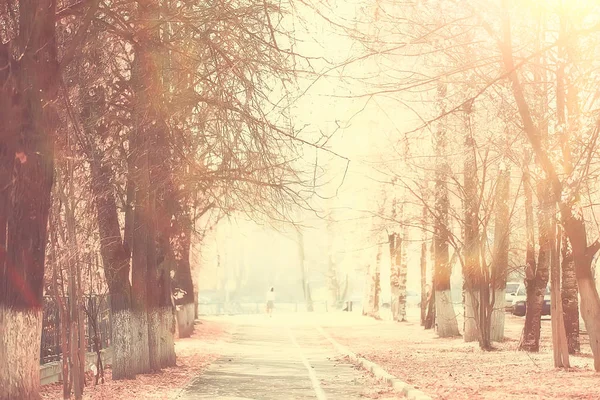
(398, 385)
(192, 379)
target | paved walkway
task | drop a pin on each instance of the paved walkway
(281, 359)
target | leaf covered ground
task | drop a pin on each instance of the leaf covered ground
(454, 370)
(194, 355)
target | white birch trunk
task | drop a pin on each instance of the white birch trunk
(445, 316)
(471, 333)
(498, 316)
(403, 275)
(185, 320)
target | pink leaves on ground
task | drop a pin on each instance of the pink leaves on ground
(194, 355)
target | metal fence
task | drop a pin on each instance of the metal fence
(97, 325)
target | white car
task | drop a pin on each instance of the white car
(511, 292)
(519, 304)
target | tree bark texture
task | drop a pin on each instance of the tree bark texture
(559, 337)
(472, 268)
(395, 243)
(500, 252)
(183, 275)
(28, 89)
(447, 325)
(570, 297)
(536, 279)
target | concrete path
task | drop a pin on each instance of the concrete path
(281, 358)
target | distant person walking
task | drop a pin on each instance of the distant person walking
(270, 301)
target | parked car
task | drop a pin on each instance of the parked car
(520, 303)
(511, 292)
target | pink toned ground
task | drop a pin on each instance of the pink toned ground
(194, 355)
(452, 369)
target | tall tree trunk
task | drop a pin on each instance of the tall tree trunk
(148, 121)
(75, 361)
(115, 259)
(471, 268)
(559, 337)
(569, 100)
(424, 294)
(395, 243)
(500, 252)
(570, 297)
(62, 313)
(430, 317)
(376, 283)
(28, 89)
(66, 191)
(403, 273)
(423, 282)
(165, 261)
(447, 325)
(183, 275)
(537, 280)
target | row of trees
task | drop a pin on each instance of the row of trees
(499, 172)
(128, 129)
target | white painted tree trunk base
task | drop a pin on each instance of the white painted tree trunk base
(395, 306)
(185, 320)
(498, 316)
(20, 333)
(122, 344)
(140, 353)
(445, 316)
(471, 307)
(590, 312)
(154, 336)
(167, 337)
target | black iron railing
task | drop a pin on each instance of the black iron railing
(97, 325)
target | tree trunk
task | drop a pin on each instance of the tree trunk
(115, 259)
(28, 90)
(559, 337)
(166, 263)
(424, 296)
(570, 297)
(63, 319)
(183, 276)
(447, 325)
(569, 292)
(75, 370)
(423, 282)
(471, 269)
(430, 317)
(147, 111)
(536, 283)
(375, 287)
(403, 274)
(395, 243)
(500, 252)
